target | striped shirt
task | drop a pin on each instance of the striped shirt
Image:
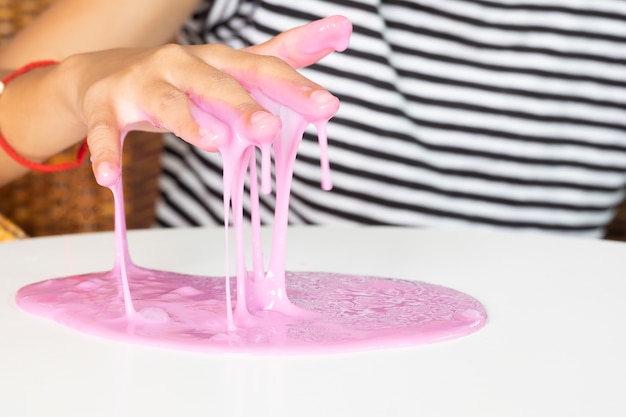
(454, 113)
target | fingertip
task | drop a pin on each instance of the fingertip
(264, 126)
(330, 32)
(106, 174)
(343, 27)
(326, 104)
(212, 134)
(210, 140)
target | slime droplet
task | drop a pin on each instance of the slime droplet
(154, 314)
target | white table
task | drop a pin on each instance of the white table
(554, 345)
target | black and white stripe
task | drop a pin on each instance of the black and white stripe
(494, 114)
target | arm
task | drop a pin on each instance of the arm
(31, 119)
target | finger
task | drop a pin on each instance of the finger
(278, 81)
(210, 90)
(305, 45)
(214, 133)
(168, 108)
(104, 140)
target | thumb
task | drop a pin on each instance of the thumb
(307, 44)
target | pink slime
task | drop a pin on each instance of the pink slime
(323, 313)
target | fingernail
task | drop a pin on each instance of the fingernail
(263, 118)
(325, 100)
(105, 174)
(207, 134)
(210, 139)
(264, 125)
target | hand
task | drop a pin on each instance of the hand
(199, 92)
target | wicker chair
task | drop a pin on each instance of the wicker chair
(72, 202)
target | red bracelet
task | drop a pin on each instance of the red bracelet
(63, 166)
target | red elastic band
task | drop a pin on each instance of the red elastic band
(36, 166)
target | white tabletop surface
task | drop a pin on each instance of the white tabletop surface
(554, 344)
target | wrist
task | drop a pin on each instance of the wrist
(14, 120)
(66, 80)
(31, 97)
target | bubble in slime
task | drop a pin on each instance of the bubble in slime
(274, 311)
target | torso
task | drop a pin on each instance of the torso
(454, 113)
